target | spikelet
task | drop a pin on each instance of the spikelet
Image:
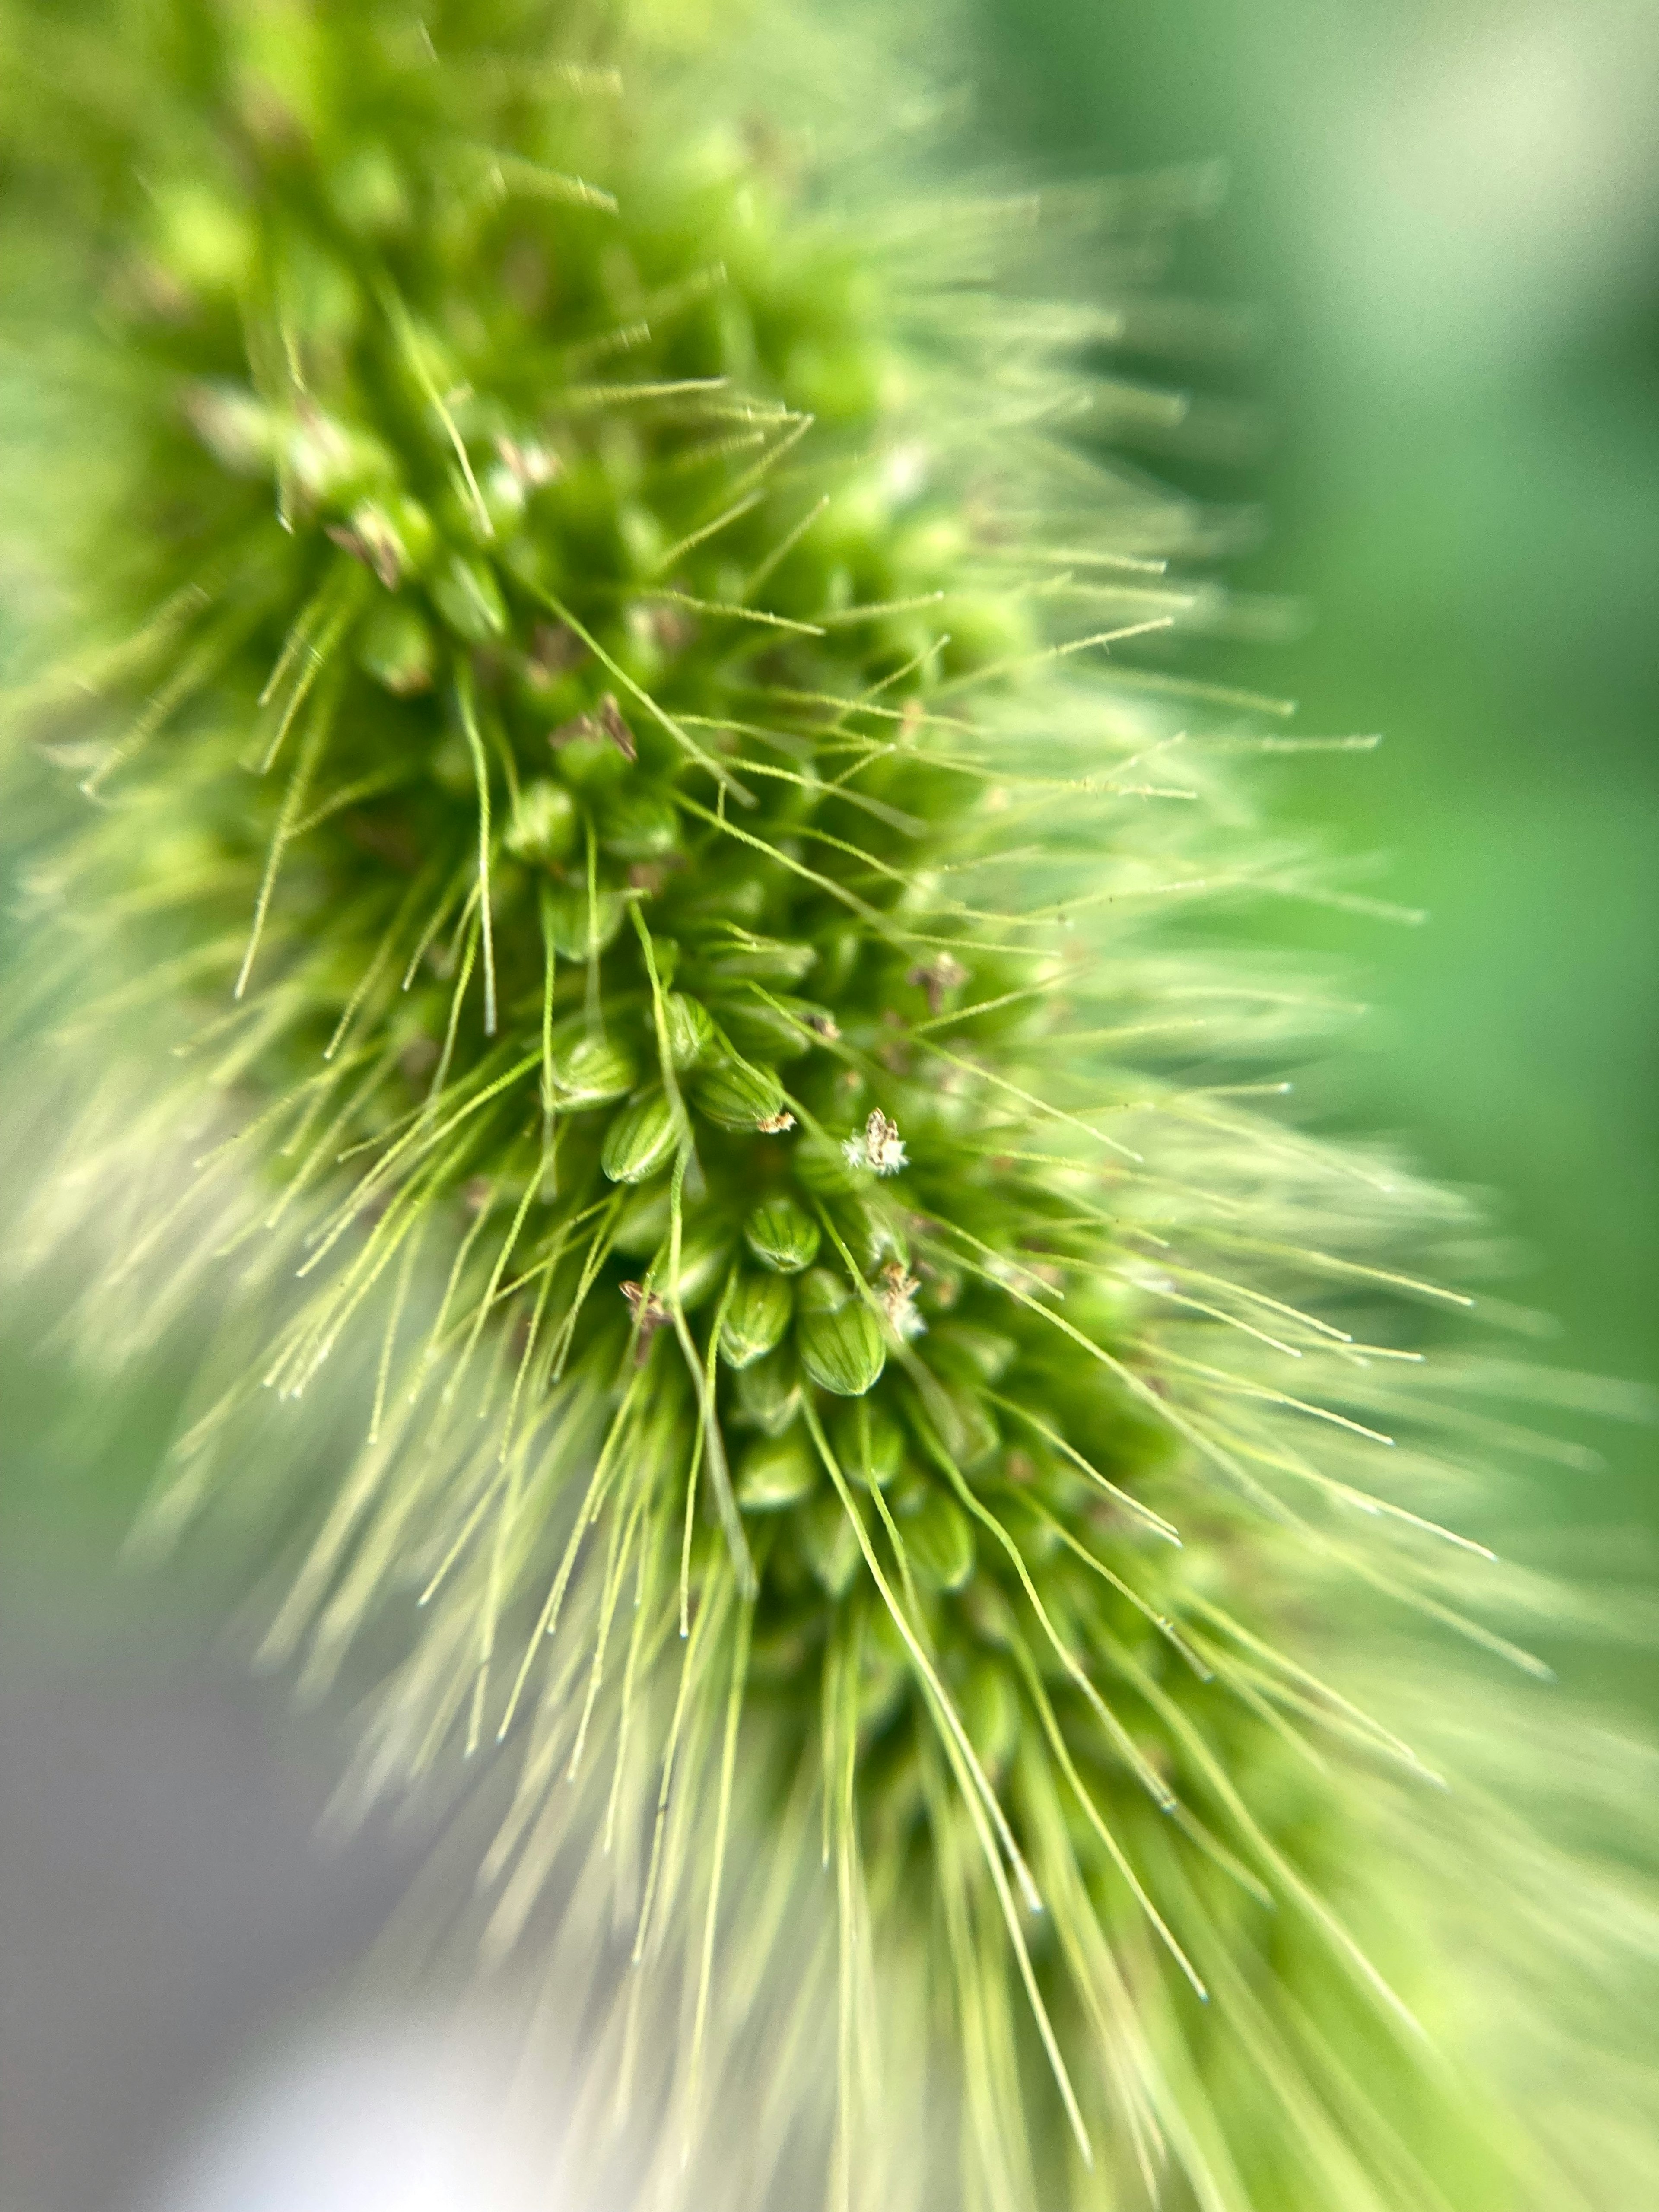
(637, 827)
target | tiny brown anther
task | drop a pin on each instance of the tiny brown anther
(610, 716)
(348, 541)
(774, 1125)
(898, 1298)
(555, 649)
(409, 682)
(894, 1054)
(531, 465)
(605, 721)
(377, 548)
(649, 1316)
(936, 977)
(672, 629)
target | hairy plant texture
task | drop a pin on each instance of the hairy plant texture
(623, 762)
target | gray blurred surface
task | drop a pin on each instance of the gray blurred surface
(166, 1912)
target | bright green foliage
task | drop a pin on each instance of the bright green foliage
(685, 953)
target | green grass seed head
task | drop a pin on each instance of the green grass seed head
(624, 744)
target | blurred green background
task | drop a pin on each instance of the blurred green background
(1442, 221)
(1444, 217)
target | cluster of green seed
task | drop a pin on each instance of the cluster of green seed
(560, 667)
(600, 741)
(588, 732)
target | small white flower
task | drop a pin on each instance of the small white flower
(877, 1147)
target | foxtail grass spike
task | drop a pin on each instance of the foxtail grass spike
(637, 902)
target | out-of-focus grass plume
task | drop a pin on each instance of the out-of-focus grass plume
(629, 902)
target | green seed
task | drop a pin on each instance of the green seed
(690, 1032)
(779, 1472)
(769, 1392)
(201, 242)
(770, 1032)
(868, 1443)
(831, 1545)
(590, 1072)
(467, 596)
(705, 1256)
(940, 1540)
(991, 1714)
(415, 531)
(368, 193)
(824, 1291)
(643, 1225)
(395, 647)
(966, 1427)
(543, 824)
(504, 503)
(757, 1319)
(972, 1355)
(738, 1094)
(638, 825)
(639, 1142)
(843, 1351)
(578, 927)
(763, 960)
(642, 535)
(588, 759)
(823, 1168)
(782, 1235)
